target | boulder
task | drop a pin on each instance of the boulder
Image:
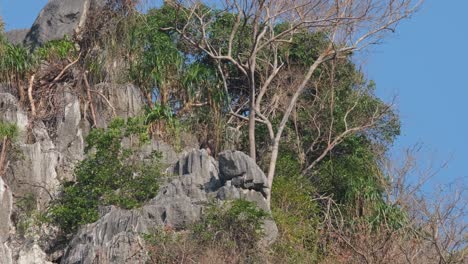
(58, 19)
(48, 153)
(241, 170)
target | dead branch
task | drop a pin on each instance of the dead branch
(90, 99)
(3, 153)
(114, 113)
(30, 95)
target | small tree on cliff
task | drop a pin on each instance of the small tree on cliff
(255, 34)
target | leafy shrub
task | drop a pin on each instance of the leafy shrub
(8, 130)
(55, 50)
(27, 218)
(236, 224)
(15, 62)
(110, 175)
(298, 218)
(227, 233)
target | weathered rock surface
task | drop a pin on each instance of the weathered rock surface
(32, 253)
(16, 36)
(178, 204)
(121, 101)
(57, 19)
(242, 171)
(6, 208)
(48, 154)
(11, 112)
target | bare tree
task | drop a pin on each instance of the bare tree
(348, 25)
(431, 224)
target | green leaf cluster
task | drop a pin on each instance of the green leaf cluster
(236, 223)
(109, 175)
(56, 50)
(297, 215)
(8, 130)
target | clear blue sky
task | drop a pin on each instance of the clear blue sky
(424, 64)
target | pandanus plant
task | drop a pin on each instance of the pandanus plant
(15, 64)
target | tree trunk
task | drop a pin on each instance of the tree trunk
(251, 75)
(282, 125)
(252, 131)
(271, 169)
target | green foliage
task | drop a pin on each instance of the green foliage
(158, 61)
(28, 218)
(163, 246)
(295, 212)
(8, 130)
(236, 224)
(110, 175)
(159, 113)
(15, 62)
(2, 28)
(352, 176)
(56, 50)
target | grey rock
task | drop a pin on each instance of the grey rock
(233, 138)
(35, 172)
(6, 208)
(169, 155)
(58, 19)
(48, 156)
(270, 230)
(70, 132)
(32, 253)
(16, 36)
(11, 112)
(121, 101)
(241, 170)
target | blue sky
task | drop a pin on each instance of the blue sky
(423, 64)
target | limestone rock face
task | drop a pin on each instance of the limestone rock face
(57, 19)
(16, 36)
(178, 204)
(6, 208)
(11, 112)
(32, 253)
(126, 100)
(47, 155)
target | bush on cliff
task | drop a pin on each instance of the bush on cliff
(109, 175)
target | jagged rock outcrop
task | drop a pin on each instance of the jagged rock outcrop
(115, 237)
(16, 36)
(48, 153)
(59, 18)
